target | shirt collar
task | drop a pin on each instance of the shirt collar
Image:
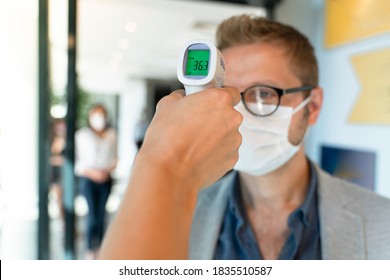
(235, 203)
(310, 199)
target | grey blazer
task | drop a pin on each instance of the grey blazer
(354, 222)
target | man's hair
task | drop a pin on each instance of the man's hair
(246, 29)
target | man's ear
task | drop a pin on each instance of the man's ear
(315, 105)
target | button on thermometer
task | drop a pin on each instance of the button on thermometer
(200, 66)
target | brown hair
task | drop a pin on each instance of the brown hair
(246, 29)
(98, 106)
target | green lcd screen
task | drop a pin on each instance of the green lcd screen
(197, 62)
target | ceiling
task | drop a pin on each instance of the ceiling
(132, 39)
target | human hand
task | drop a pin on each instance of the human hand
(191, 142)
(195, 137)
(97, 175)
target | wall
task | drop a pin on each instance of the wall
(132, 102)
(341, 88)
(19, 126)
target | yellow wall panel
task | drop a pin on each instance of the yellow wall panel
(373, 103)
(351, 20)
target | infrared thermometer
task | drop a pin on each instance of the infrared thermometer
(200, 66)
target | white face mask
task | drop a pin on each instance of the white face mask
(265, 146)
(97, 121)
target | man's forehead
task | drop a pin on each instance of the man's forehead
(259, 63)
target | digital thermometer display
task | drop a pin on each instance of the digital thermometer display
(200, 66)
(197, 63)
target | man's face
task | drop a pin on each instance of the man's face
(265, 64)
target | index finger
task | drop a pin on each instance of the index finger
(234, 93)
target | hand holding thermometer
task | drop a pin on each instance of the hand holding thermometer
(200, 66)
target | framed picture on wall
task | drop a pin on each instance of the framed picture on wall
(355, 166)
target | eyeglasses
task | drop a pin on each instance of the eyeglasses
(261, 100)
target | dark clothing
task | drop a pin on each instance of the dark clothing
(237, 240)
(56, 174)
(96, 195)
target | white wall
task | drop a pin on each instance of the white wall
(18, 125)
(132, 101)
(341, 88)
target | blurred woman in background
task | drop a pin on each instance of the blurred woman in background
(96, 158)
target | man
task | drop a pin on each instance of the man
(277, 204)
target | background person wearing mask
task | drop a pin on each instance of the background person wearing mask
(96, 158)
(277, 204)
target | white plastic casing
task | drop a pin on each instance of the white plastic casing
(216, 73)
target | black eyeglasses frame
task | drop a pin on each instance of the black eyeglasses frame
(280, 93)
